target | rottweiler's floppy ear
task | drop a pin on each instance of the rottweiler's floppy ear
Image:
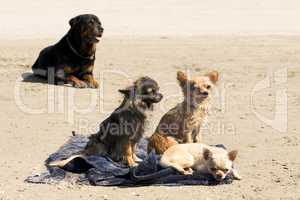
(181, 77)
(207, 154)
(213, 76)
(232, 155)
(73, 21)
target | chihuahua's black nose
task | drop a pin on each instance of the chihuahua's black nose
(219, 176)
(205, 93)
(158, 97)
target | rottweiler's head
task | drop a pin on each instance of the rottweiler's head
(88, 27)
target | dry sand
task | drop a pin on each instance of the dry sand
(34, 122)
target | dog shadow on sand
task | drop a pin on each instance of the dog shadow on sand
(29, 77)
(32, 78)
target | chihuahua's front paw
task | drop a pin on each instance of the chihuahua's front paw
(198, 139)
(188, 171)
(236, 175)
(136, 159)
(131, 162)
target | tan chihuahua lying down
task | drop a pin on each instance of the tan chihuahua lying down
(200, 157)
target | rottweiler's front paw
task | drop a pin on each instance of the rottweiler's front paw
(93, 84)
(80, 84)
(90, 81)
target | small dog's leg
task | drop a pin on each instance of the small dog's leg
(76, 82)
(197, 137)
(189, 171)
(183, 161)
(188, 137)
(90, 80)
(129, 156)
(134, 156)
(180, 169)
(236, 175)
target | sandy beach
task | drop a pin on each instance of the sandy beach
(33, 126)
(256, 103)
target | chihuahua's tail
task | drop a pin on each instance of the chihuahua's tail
(160, 143)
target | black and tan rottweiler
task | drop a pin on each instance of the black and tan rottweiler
(71, 60)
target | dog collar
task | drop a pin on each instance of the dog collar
(92, 57)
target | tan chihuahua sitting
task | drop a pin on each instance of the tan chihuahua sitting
(202, 158)
(182, 123)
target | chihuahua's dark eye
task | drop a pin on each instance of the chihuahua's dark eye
(193, 86)
(213, 169)
(208, 87)
(225, 170)
(149, 90)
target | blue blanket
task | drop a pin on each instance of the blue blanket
(102, 171)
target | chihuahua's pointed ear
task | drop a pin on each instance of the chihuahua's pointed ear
(126, 92)
(181, 77)
(207, 154)
(213, 76)
(73, 21)
(232, 155)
